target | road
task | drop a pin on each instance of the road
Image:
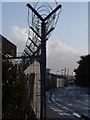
(71, 102)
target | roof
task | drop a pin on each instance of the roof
(7, 46)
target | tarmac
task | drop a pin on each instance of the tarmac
(53, 115)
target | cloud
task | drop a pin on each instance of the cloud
(59, 55)
(19, 37)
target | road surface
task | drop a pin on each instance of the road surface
(71, 102)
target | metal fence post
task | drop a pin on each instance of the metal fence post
(43, 73)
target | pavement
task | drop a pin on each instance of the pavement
(52, 115)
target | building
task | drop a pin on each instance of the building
(51, 81)
(54, 80)
(8, 48)
(61, 81)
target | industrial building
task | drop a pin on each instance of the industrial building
(54, 80)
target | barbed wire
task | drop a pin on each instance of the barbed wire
(33, 42)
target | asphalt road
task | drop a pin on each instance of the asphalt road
(71, 102)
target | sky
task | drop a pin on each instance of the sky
(68, 41)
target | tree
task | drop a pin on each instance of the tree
(17, 93)
(8, 85)
(13, 91)
(82, 72)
